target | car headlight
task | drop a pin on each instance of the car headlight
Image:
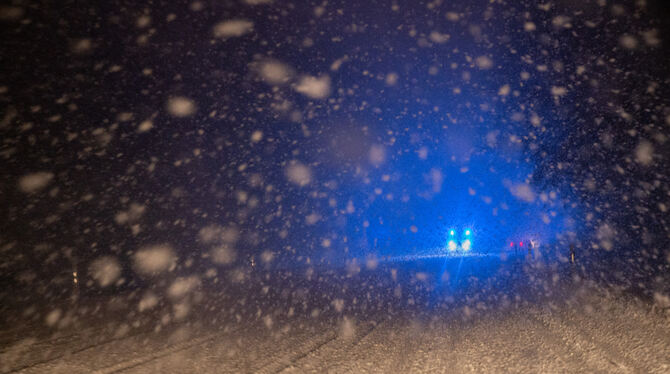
(452, 245)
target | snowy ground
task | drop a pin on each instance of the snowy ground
(576, 328)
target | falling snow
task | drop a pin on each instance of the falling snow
(35, 182)
(298, 174)
(105, 270)
(232, 28)
(154, 259)
(266, 186)
(314, 87)
(181, 106)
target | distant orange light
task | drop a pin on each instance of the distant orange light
(520, 244)
(511, 244)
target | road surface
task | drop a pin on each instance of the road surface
(356, 328)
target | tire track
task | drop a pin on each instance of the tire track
(304, 351)
(249, 348)
(500, 342)
(7, 335)
(598, 355)
(333, 344)
(435, 345)
(407, 347)
(325, 359)
(61, 355)
(171, 349)
(615, 327)
(55, 339)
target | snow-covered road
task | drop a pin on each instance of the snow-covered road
(590, 333)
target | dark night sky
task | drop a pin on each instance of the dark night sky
(433, 115)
